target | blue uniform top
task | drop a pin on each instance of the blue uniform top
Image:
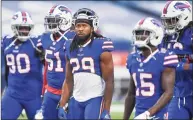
(183, 83)
(55, 51)
(25, 68)
(147, 76)
(83, 59)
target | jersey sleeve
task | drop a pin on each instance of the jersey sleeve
(129, 62)
(3, 46)
(170, 59)
(107, 45)
(67, 49)
(39, 42)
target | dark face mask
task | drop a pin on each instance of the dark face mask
(83, 39)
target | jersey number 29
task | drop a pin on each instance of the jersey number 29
(83, 64)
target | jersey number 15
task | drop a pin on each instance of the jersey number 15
(144, 84)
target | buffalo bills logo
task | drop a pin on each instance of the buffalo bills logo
(15, 17)
(156, 22)
(62, 8)
(181, 6)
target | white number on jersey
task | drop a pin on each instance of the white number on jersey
(83, 64)
(144, 84)
(15, 63)
(51, 62)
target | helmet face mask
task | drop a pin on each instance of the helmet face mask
(22, 31)
(52, 23)
(22, 25)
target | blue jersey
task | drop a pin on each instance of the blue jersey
(87, 57)
(147, 76)
(25, 68)
(86, 69)
(55, 51)
(183, 83)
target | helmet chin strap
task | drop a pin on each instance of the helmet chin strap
(147, 46)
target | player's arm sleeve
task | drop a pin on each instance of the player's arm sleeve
(129, 62)
(45, 78)
(107, 45)
(40, 51)
(170, 60)
(5, 67)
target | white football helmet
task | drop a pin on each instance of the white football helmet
(59, 17)
(87, 14)
(176, 15)
(148, 31)
(22, 25)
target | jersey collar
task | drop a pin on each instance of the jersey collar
(62, 36)
(85, 44)
(150, 56)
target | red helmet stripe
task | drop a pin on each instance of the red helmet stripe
(24, 16)
(52, 9)
(141, 21)
(166, 7)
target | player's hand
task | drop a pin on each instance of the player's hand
(61, 113)
(143, 116)
(39, 115)
(105, 115)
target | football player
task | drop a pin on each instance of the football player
(152, 73)
(24, 69)
(57, 24)
(177, 20)
(89, 71)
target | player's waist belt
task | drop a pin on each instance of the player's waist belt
(53, 90)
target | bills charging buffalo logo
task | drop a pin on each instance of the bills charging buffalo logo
(181, 6)
(15, 17)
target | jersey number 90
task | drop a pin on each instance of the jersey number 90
(14, 63)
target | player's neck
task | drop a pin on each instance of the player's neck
(86, 41)
(57, 35)
(147, 52)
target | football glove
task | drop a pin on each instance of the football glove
(105, 115)
(61, 113)
(143, 116)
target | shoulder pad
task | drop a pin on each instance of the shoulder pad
(7, 36)
(163, 50)
(102, 38)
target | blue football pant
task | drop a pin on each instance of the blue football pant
(90, 109)
(12, 107)
(49, 105)
(181, 108)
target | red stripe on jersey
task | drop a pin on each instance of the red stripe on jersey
(141, 21)
(166, 7)
(52, 9)
(24, 16)
(53, 90)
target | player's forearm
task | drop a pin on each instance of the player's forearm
(184, 66)
(66, 90)
(162, 102)
(109, 87)
(129, 105)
